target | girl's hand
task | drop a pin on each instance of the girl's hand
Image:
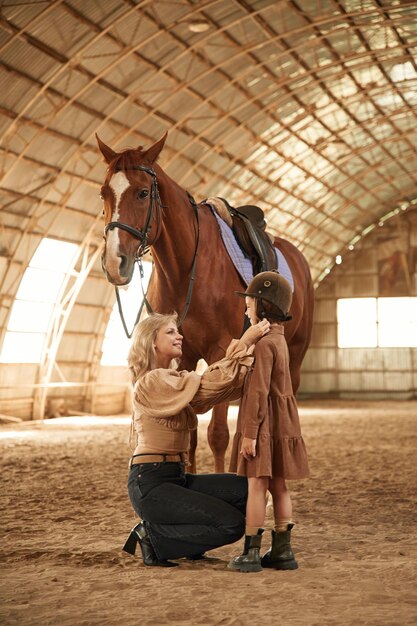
(255, 332)
(248, 448)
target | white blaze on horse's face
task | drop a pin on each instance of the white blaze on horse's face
(118, 184)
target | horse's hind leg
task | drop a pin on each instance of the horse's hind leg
(299, 342)
(218, 435)
(296, 349)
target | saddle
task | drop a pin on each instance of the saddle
(248, 225)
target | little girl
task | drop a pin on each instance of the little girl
(268, 447)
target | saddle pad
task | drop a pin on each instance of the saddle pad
(241, 263)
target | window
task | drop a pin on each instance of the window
(35, 301)
(356, 319)
(377, 322)
(397, 322)
(116, 344)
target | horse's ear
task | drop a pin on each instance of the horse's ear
(152, 153)
(108, 153)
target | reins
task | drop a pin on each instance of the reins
(144, 246)
(144, 302)
(194, 265)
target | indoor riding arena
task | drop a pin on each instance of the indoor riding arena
(306, 109)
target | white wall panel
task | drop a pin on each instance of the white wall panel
(320, 359)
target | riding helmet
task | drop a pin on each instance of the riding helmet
(272, 287)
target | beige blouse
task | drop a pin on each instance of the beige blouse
(166, 400)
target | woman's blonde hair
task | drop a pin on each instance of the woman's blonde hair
(142, 357)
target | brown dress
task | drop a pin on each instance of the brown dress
(268, 413)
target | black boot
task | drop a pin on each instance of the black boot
(280, 554)
(139, 535)
(250, 559)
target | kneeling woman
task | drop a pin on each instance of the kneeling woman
(183, 514)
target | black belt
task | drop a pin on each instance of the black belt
(157, 458)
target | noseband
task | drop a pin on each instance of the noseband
(155, 206)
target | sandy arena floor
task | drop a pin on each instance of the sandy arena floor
(65, 516)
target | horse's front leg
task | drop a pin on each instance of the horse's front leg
(192, 465)
(218, 435)
(189, 362)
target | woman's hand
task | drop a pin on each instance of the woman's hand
(248, 448)
(255, 332)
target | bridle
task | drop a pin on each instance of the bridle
(155, 208)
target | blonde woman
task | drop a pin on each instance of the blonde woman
(183, 514)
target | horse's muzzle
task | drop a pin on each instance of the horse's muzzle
(120, 275)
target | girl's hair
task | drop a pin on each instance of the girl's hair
(269, 311)
(142, 357)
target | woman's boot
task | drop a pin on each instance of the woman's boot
(250, 559)
(138, 535)
(280, 554)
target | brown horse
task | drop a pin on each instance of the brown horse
(144, 207)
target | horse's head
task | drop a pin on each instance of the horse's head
(132, 208)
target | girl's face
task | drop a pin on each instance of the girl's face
(251, 310)
(168, 344)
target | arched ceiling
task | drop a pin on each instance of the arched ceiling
(307, 108)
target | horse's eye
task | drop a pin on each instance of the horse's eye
(100, 195)
(143, 193)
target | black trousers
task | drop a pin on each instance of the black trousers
(187, 514)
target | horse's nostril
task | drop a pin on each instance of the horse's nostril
(123, 264)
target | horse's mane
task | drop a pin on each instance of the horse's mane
(126, 159)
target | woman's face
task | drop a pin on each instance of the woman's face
(251, 310)
(168, 344)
